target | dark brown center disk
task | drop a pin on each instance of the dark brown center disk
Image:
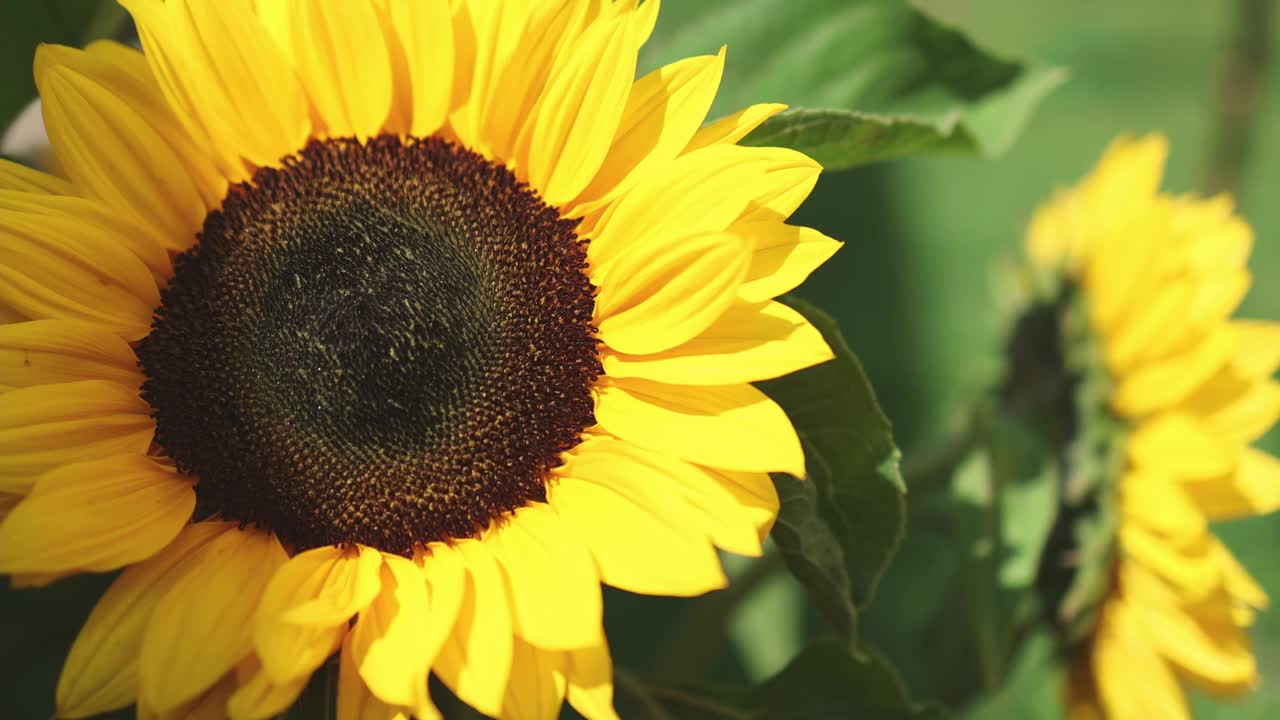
(386, 343)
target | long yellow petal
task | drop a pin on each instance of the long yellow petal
(636, 547)
(1180, 445)
(101, 671)
(726, 426)
(204, 625)
(537, 686)
(307, 605)
(729, 130)
(47, 352)
(45, 426)
(663, 110)
(590, 689)
(18, 177)
(386, 640)
(1254, 489)
(260, 696)
(667, 291)
(425, 31)
(1133, 680)
(475, 662)
(61, 266)
(686, 495)
(355, 702)
(1163, 384)
(141, 239)
(749, 342)
(109, 513)
(551, 578)
(568, 145)
(1257, 348)
(226, 77)
(118, 141)
(689, 196)
(783, 256)
(342, 57)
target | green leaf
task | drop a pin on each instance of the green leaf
(24, 25)
(827, 680)
(838, 528)
(869, 79)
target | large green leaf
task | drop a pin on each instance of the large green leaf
(869, 79)
(838, 528)
(24, 25)
(827, 680)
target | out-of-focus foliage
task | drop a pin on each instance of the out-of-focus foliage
(23, 25)
(866, 80)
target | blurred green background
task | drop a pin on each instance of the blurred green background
(915, 292)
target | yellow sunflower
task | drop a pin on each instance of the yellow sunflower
(1191, 388)
(390, 329)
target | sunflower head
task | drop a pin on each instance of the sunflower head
(389, 329)
(1151, 393)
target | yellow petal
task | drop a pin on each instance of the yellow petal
(590, 690)
(16, 176)
(1213, 654)
(1162, 384)
(46, 426)
(551, 578)
(784, 256)
(729, 130)
(146, 243)
(728, 426)
(749, 342)
(47, 352)
(1257, 348)
(664, 109)
(210, 705)
(101, 671)
(61, 266)
(204, 625)
(1179, 445)
(426, 33)
(119, 142)
(687, 496)
(568, 145)
(1249, 416)
(343, 60)
(636, 546)
(1254, 489)
(1133, 680)
(226, 77)
(1162, 506)
(355, 702)
(259, 696)
(1195, 569)
(756, 495)
(475, 662)
(307, 604)
(486, 38)
(537, 686)
(700, 192)
(386, 640)
(552, 30)
(668, 290)
(97, 515)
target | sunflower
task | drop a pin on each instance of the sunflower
(1187, 390)
(389, 329)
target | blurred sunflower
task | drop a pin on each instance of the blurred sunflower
(1189, 389)
(392, 329)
